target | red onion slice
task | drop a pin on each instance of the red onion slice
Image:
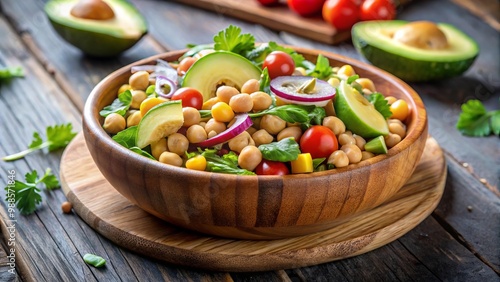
(161, 83)
(286, 88)
(242, 123)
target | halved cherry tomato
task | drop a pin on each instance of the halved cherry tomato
(190, 97)
(377, 10)
(319, 141)
(279, 63)
(267, 167)
(306, 7)
(342, 14)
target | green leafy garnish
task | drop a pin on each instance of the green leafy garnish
(11, 72)
(141, 152)
(27, 194)
(120, 105)
(288, 113)
(352, 78)
(284, 150)
(205, 114)
(58, 136)
(231, 39)
(316, 116)
(126, 137)
(94, 260)
(475, 120)
(228, 163)
(259, 53)
(265, 81)
(317, 162)
(322, 69)
(380, 103)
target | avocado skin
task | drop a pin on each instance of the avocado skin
(407, 69)
(93, 43)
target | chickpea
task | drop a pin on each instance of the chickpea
(177, 143)
(249, 158)
(272, 124)
(185, 64)
(170, 158)
(134, 118)
(299, 71)
(346, 138)
(139, 80)
(400, 109)
(196, 133)
(333, 81)
(338, 159)
(241, 103)
(241, 141)
(345, 72)
(137, 97)
(390, 99)
(66, 207)
(392, 139)
(366, 83)
(261, 100)
(124, 88)
(158, 147)
(208, 104)
(211, 134)
(335, 124)
(366, 155)
(397, 128)
(213, 125)
(294, 131)
(114, 123)
(251, 130)
(360, 141)
(224, 93)
(251, 86)
(353, 153)
(191, 116)
(262, 137)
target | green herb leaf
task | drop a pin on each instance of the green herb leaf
(11, 72)
(322, 69)
(205, 113)
(58, 136)
(476, 121)
(226, 164)
(284, 150)
(265, 81)
(27, 194)
(195, 49)
(141, 152)
(94, 260)
(258, 54)
(317, 115)
(352, 78)
(380, 103)
(317, 162)
(288, 113)
(126, 137)
(231, 39)
(120, 105)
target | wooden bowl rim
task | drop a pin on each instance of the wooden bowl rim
(91, 121)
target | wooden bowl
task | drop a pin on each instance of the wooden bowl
(256, 207)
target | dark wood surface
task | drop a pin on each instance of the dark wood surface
(458, 242)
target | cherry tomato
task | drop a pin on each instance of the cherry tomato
(266, 167)
(377, 10)
(319, 141)
(268, 2)
(190, 97)
(342, 14)
(279, 63)
(306, 7)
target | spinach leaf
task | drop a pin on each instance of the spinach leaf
(283, 151)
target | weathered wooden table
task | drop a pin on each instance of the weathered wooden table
(460, 241)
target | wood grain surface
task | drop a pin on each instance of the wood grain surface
(112, 215)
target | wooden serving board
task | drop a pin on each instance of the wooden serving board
(108, 212)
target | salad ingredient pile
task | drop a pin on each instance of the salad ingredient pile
(237, 107)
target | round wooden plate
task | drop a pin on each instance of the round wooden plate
(112, 215)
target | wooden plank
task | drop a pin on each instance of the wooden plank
(488, 10)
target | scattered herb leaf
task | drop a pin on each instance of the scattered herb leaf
(322, 69)
(126, 137)
(284, 150)
(141, 152)
(94, 260)
(475, 120)
(380, 103)
(265, 81)
(231, 39)
(120, 105)
(11, 72)
(58, 136)
(27, 194)
(288, 113)
(228, 163)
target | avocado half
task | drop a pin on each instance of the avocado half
(100, 38)
(374, 40)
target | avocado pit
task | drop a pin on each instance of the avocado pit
(92, 10)
(421, 34)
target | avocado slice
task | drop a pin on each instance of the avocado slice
(376, 145)
(415, 51)
(159, 122)
(358, 114)
(97, 34)
(219, 68)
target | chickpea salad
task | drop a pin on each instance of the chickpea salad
(244, 108)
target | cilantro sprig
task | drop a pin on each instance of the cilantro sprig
(380, 103)
(476, 121)
(231, 39)
(27, 194)
(58, 136)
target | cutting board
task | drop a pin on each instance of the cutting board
(113, 216)
(279, 18)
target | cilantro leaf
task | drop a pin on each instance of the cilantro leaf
(322, 69)
(225, 164)
(475, 120)
(120, 105)
(231, 39)
(284, 150)
(380, 103)
(27, 194)
(58, 136)
(11, 72)
(265, 81)
(259, 53)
